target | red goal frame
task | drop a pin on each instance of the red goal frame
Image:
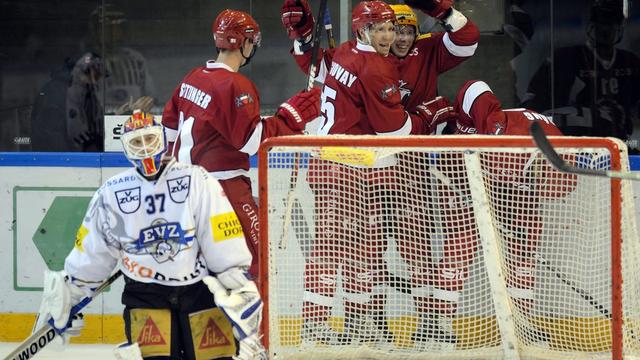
(452, 142)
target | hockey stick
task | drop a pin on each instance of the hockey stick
(581, 292)
(317, 34)
(329, 29)
(313, 69)
(45, 334)
(554, 158)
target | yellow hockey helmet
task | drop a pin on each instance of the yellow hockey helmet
(405, 16)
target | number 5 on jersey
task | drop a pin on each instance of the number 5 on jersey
(327, 109)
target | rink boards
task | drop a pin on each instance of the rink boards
(43, 198)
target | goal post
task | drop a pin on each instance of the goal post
(435, 247)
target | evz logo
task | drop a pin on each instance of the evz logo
(128, 200)
(179, 188)
(162, 241)
(161, 232)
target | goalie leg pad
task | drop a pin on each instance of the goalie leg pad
(151, 329)
(211, 335)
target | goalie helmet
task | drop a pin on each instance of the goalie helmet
(405, 16)
(144, 142)
(231, 27)
(367, 13)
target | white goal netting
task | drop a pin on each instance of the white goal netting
(446, 247)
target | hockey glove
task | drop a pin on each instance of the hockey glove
(435, 112)
(238, 298)
(438, 9)
(300, 109)
(297, 19)
(58, 297)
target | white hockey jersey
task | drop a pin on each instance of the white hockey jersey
(167, 231)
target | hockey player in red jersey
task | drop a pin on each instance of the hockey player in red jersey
(213, 118)
(513, 182)
(418, 58)
(360, 96)
(360, 93)
(480, 112)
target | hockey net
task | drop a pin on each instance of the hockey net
(446, 247)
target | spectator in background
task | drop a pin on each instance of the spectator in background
(67, 114)
(593, 83)
(128, 84)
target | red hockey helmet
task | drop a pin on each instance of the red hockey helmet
(232, 27)
(371, 12)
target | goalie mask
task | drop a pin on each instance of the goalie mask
(144, 142)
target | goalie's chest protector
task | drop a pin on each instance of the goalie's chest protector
(155, 224)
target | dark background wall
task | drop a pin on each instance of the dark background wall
(167, 38)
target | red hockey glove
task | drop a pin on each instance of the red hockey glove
(438, 9)
(435, 112)
(300, 109)
(297, 18)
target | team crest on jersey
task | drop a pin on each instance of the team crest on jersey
(243, 100)
(162, 240)
(179, 188)
(388, 92)
(128, 200)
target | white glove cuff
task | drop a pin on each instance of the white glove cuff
(455, 21)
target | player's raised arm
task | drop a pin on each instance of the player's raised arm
(460, 40)
(297, 19)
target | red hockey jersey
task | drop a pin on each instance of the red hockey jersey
(361, 96)
(432, 54)
(214, 119)
(481, 113)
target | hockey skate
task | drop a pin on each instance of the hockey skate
(434, 332)
(367, 329)
(535, 336)
(319, 332)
